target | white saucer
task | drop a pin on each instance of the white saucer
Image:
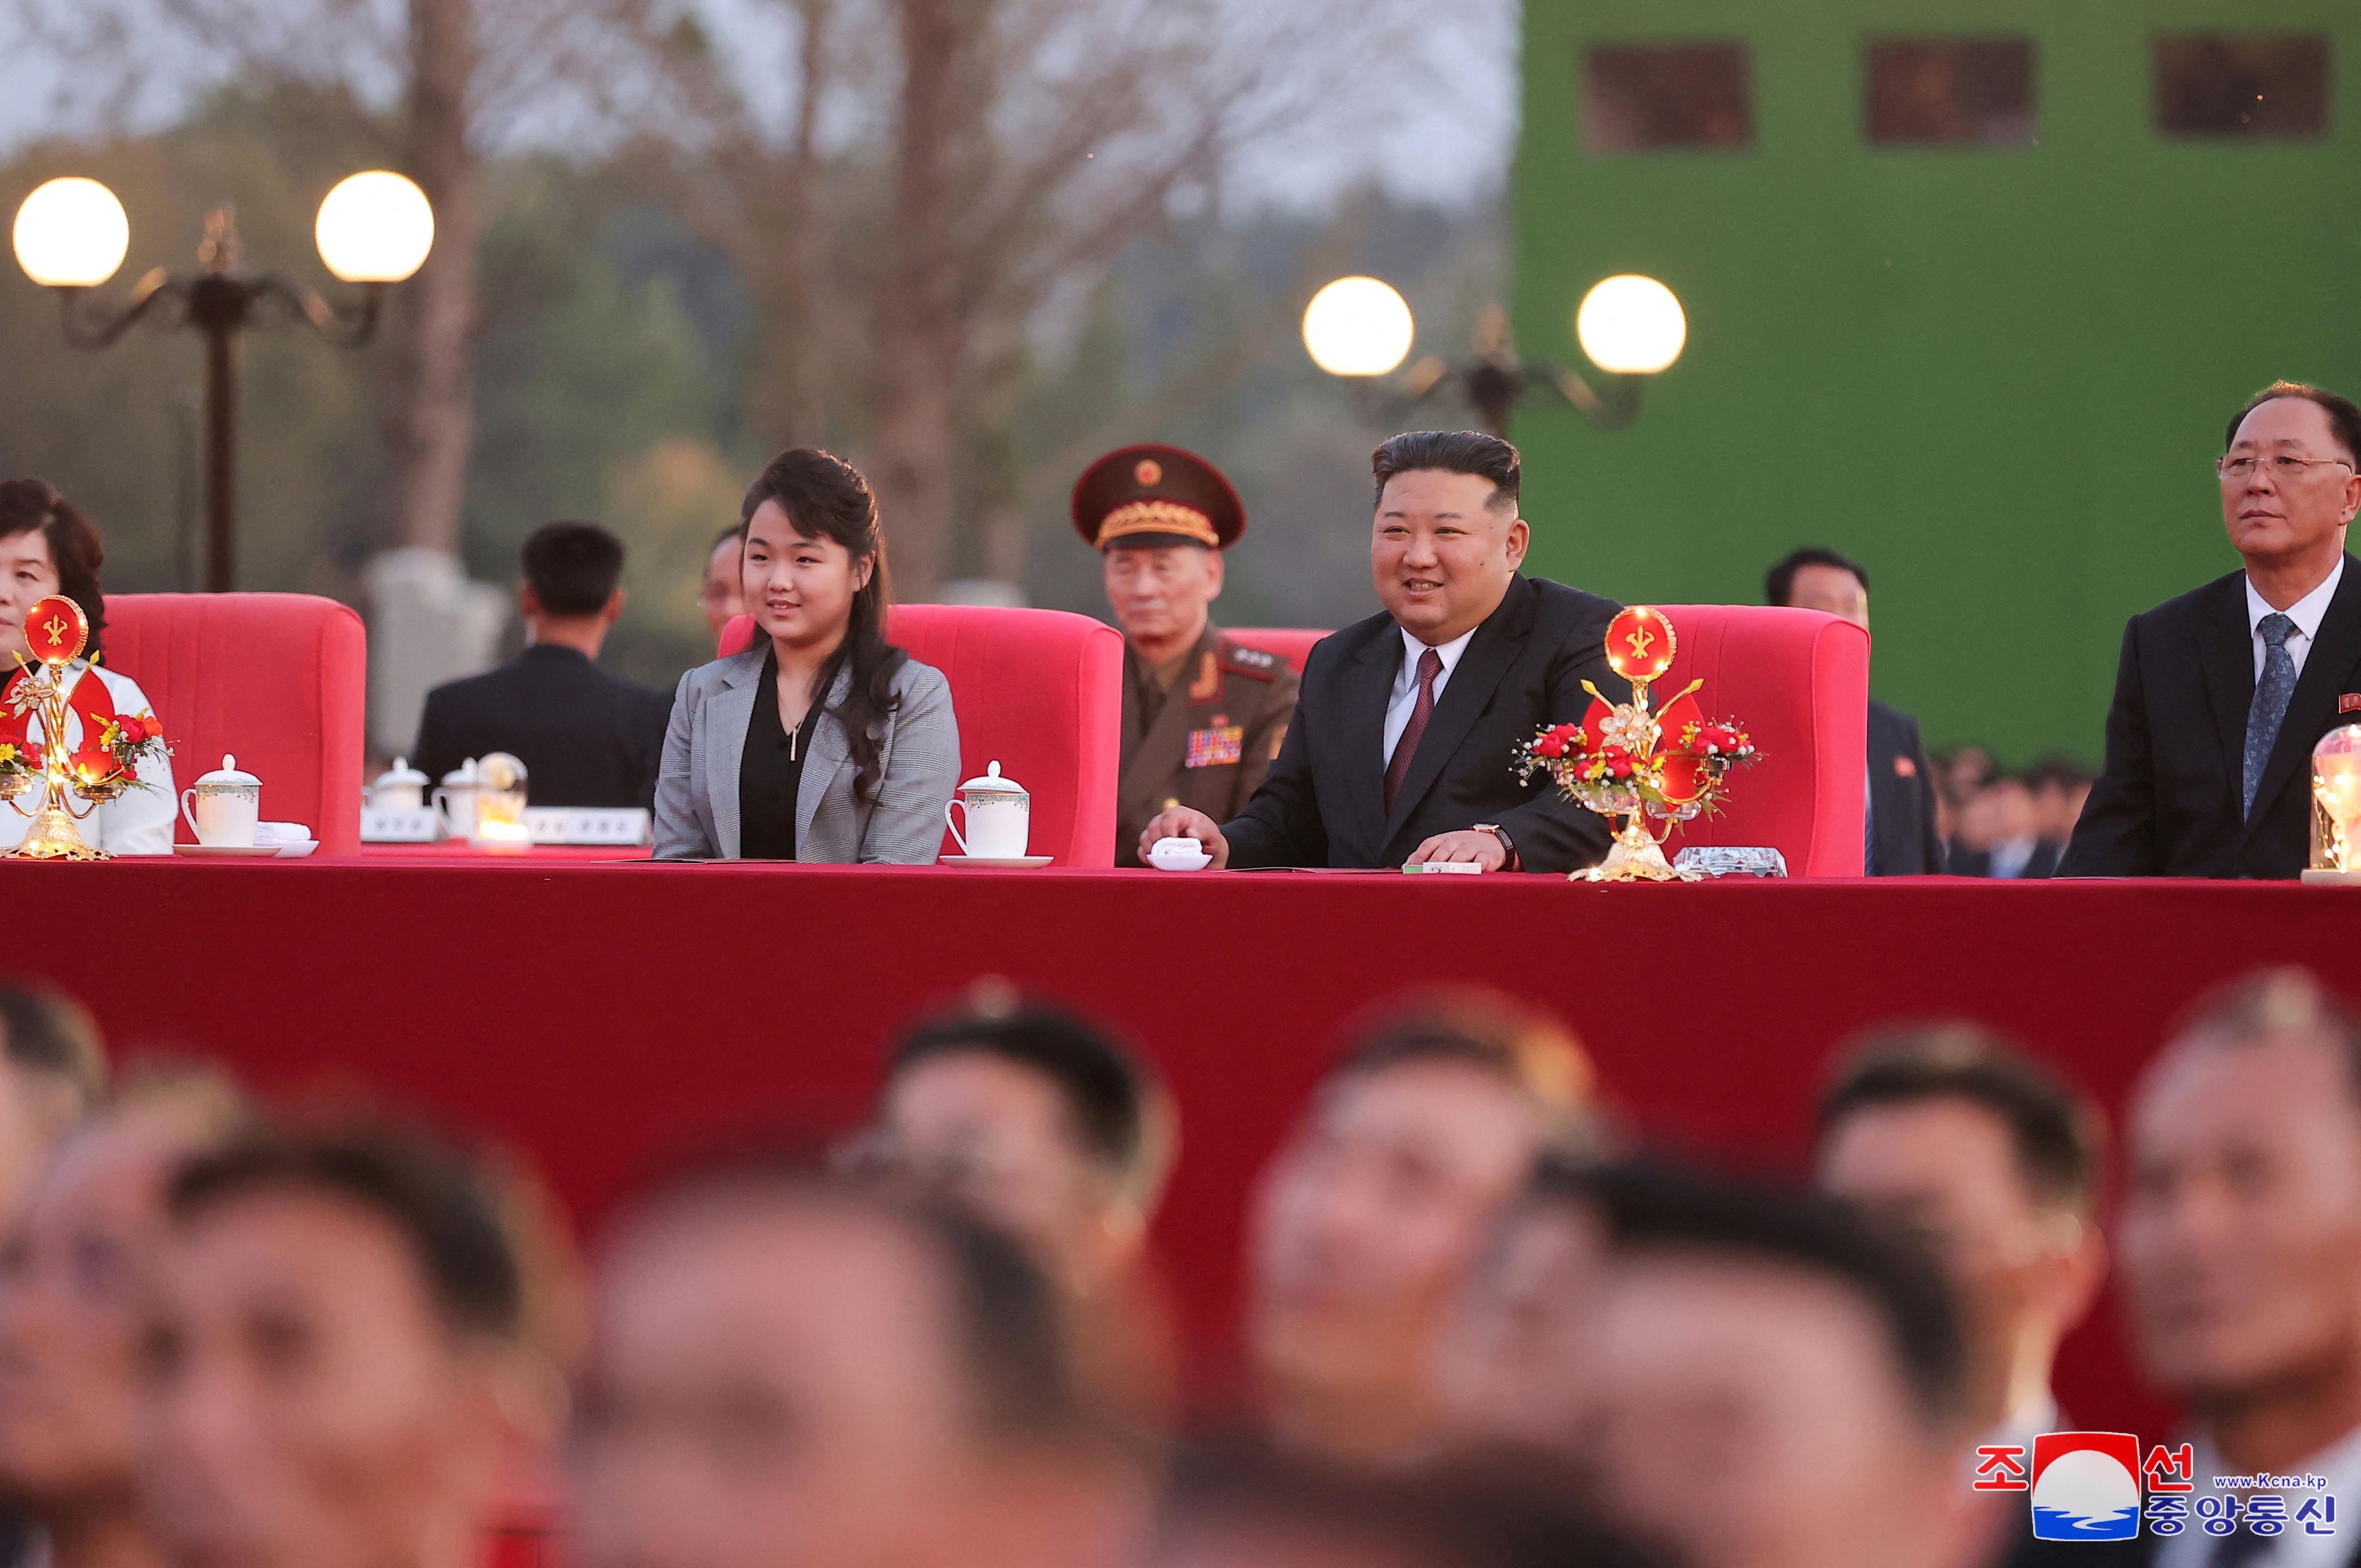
(1201, 862)
(1006, 863)
(228, 851)
(297, 851)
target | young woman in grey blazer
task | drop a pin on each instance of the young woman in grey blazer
(823, 742)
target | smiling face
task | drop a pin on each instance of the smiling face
(2277, 517)
(27, 576)
(799, 588)
(1441, 554)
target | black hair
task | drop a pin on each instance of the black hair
(1650, 1207)
(1005, 1318)
(1779, 582)
(1105, 1090)
(1524, 1045)
(2058, 1138)
(48, 1032)
(2056, 768)
(573, 567)
(1492, 1508)
(735, 531)
(825, 497)
(76, 548)
(2343, 418)
(1454, 452)
(434, 1199)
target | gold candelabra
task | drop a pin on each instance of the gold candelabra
(58, 631)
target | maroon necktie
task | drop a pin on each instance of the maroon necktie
(1430, 666)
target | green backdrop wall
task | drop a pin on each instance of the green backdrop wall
(1997, 376)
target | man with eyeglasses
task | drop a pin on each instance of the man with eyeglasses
(2222, 692)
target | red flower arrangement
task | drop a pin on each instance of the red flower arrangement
(1616, 761)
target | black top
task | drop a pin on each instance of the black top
(770, 770)
(585, 736)
(1323, 802)
(1901, 798)
(2168, 803)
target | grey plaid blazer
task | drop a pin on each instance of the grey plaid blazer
(697, 786)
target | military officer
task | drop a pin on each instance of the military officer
(1202, 716)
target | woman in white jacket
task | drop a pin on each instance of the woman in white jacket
(47, 547)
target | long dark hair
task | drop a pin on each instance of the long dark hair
(826, 497)
(74, 547)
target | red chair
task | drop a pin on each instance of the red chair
(1800, 680)
(1037, 691)
(279, 680)
(1290, 643)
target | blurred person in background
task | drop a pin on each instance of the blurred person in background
(2003, 824)
(72, 1277)
(1203, 716)
(2240, 1245)
(1961, 773)
(1986, 1157)
(586, 737)
(1367, 1222)
(1047, 1128)
(1516, 1364)
(1902, 838)
(331, 1368)
(2061, 787)
(1779, 1384)
(823, 742)
(2222, 693)
(49, 547)
(52, 1071)
(790, 1372)
(1248, 1507)
(719, 596)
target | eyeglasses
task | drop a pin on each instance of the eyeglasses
(2238, 471)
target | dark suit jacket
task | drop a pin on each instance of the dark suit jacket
(2168, 803)
(585, 736)
(1323, 804)
(1901, 796)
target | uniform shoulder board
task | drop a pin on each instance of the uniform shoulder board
(1241, 660)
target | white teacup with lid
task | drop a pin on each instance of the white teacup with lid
(400, 788)
(999, 817)
(226, 804)
(456, 800)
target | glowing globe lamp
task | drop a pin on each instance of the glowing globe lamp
(375, 228)
(71, 234)
(1357, 326)
(1631, 325)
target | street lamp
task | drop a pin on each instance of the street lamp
(374, 230)
(1631, 327)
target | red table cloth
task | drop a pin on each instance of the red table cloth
(600, 1015)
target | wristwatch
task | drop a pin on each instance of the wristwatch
(1506, 843)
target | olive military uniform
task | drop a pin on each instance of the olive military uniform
(1205, 740)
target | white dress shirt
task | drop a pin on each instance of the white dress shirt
(2339, 1465)
(136, 822)
(2306, 612)
(1405, 697)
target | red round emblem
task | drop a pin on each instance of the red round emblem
(1640, 643)
(1148, 473)
(56, 630)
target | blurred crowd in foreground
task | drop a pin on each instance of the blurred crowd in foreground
(1483, 1331)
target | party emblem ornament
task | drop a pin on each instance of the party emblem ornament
(1640, 643)
(57, 631)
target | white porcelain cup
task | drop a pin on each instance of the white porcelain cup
(222, 807)
(998, 825)
(458, 804)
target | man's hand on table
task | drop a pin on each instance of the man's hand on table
(1181, 822)
(1481, 847)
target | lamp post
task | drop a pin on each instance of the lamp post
(1631, 327)
(373, 230)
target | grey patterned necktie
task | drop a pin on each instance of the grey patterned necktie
(2270, 703)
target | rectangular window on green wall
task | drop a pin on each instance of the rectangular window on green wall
(1648, 97)
(2218, 84)
(1973, 91)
